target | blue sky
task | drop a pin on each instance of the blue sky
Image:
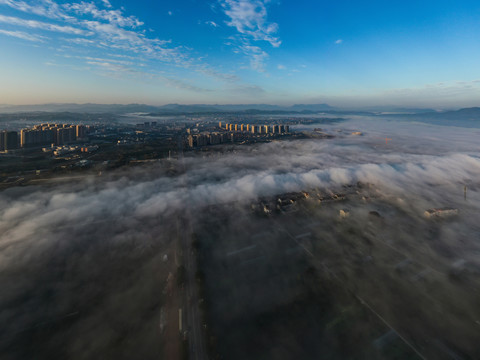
(345, 53)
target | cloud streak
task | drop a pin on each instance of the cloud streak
(256, 55)
(111, 16)
(212, 24)
(33, 24)
(99, 30)
(249, 18)
(47, 8)
(23, 35)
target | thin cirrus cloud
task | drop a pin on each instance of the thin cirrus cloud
(42, 25)
(249, 18)
(107, 3)
(22, 35)
(115, 69)
(211, 23)
(256, 55)
(111, 30)
(111, 16)
(47, 8)
(99, 29)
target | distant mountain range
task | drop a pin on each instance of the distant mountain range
(465, 114)
(79, 108)
(472, 113)
(172, 109)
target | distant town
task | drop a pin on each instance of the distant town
(39, 150)
(235, 133)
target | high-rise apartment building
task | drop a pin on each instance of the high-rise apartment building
(45, 134)
(10, 140)
(81, 131)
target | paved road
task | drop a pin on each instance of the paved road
(193, 318)
(196, 335)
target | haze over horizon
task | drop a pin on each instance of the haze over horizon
(240, 52)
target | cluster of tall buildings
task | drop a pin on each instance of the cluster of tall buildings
(43, 134)
(209, 139)
(255, 129)
(234, 132)
(58, 134)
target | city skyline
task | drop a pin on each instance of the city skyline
(240, 51)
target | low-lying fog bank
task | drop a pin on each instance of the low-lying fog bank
(81, 264)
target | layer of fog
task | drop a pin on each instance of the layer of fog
(133, 210)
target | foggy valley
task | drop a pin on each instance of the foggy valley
(239, 180)
(312, 248)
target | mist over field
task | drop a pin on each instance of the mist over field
(82, 265)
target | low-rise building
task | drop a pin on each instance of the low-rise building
(440, 212)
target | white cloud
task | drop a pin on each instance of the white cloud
(47, 8)
(257, 56)
(110, 66)
(23, 35)
(281, 67)
(230, 78)
(339, 41)
(123, 56)
(42, 25)
(69, 66)
(113, 32)
(211, 23)
(132, 41)
(81, 41)
(249, 17)
(112, 16)
(122, 62)
(110, 31)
